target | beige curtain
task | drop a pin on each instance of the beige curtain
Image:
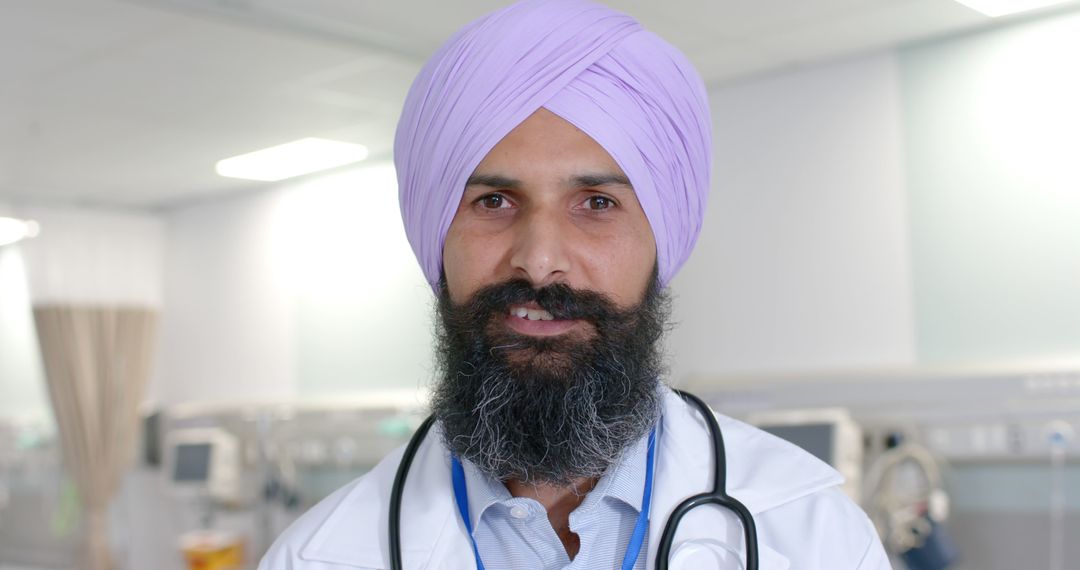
(97, 360)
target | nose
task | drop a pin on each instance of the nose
(541, 249)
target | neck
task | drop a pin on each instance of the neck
(559, 502)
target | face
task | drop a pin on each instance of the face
(551, 315)
(549, 205)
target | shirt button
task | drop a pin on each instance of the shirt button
(519, 512)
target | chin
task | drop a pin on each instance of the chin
(540, 362)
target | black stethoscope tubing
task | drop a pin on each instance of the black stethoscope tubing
(718, 495)
(398, 489)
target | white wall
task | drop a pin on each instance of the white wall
(803, 261)
(22, 388)
(22, 380)
(303, 291)
(96, 256)
(226, 319)
(362, 305)
(993, 148)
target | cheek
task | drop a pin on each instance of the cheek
(467, 263)
(622, 268)
(640, 263)
(454, 258)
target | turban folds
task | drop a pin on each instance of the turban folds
(598, 69)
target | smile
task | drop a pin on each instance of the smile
(531, 314)
(531, 320)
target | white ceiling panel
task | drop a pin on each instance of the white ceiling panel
(866, 28)
(131, 102)
(688, 23)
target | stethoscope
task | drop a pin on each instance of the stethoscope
(718, 495)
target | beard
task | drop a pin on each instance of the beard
(547, 410)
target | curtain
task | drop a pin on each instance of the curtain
(97, 360)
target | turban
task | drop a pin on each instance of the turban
(598, 69)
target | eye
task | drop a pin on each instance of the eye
(599, 203)
(493, 201)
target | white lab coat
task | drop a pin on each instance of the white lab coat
(804, 521)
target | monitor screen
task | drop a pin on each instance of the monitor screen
(192, 462)
(816, 438)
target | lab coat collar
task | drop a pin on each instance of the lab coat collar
(760, 469)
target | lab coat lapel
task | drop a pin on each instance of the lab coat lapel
(432, 535)
(431, 497)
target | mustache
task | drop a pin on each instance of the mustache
(561, 300)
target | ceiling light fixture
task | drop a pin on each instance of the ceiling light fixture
(291, 159)
(13, 230)
(995, 8)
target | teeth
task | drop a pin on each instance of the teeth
(539, 315)
(531, 314)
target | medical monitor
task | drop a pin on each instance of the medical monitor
(203, 462)
(192, 462)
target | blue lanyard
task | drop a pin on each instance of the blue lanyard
(637, 539)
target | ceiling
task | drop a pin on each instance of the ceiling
(131, 102)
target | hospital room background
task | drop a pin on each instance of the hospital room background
(192, 351)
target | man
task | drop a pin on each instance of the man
(553, 162)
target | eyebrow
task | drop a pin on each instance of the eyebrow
(601, 180)
(580, 181)
(493, 180)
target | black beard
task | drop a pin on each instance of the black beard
(547, 410)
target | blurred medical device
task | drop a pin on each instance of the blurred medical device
(203, 466)
(233, 477)
(38, 510)
(204, 462)
(905, 497)
(960, 465)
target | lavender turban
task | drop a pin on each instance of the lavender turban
(598, 69)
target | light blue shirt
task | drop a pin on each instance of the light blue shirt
(514, 532)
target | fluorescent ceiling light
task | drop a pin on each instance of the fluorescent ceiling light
(291, 159)
(13, 230)
(995, 8)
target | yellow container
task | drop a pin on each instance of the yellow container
(212, 550)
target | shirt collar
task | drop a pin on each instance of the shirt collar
(483, 491)
(624, 481)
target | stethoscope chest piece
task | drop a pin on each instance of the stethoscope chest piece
(705, 553)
